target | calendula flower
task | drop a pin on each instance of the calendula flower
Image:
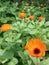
(31, 17)
(41, 18)
(36, 47)
(22, 15)
(5, 27)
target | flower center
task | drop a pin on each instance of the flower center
(36, 51)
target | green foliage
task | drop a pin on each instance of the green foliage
(12, 42)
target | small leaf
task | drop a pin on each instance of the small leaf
(23, 58)
(47, 23)
(44, 62)
(34, 59)
(8, 54)
(13, 61)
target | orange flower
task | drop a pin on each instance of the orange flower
(36, 47)
(27, 19)
(41, 18)
(5, 27)
(31, 17)
(22, 15)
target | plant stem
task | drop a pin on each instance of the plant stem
(37, 61)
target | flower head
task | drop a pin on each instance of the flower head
(41, 18)
(36, 47)
(31, 17)
(5, 27)
(22, 15)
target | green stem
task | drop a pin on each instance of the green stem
(37, 61)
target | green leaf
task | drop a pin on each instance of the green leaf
(1, 58)
(44, 62)
(41, 23)
(8, 54)
(1, 40)
(47, 23)
(2, 9)
(19, 41)
(1, 52)
(18, 36)
(13, 61)
(23, 57)
(35, 60)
